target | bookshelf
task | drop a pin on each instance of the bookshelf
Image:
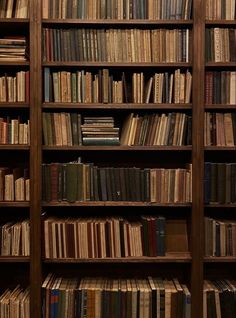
(221, 214)
(15, 269)
(190, 268)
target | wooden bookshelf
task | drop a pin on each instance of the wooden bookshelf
(13, 105)
(14, 21)
(221, 259)
(116, 65)
(220, 106)
(11, 63)
(112, 22)
(220, 22)
(221, 64)
(169, 258)
(14, 259)
(220, 148)
(14, 147)
(197, 153)
(15, 204)
(216, 268)
(113, 203)
(114, 106)
(119, 148)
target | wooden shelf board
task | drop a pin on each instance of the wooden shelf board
(114, 203)
(116, 106)
(14, 63)
(119, 148)
(14, 259)
(219, 148)
(222, 259)
(169, 258)
(14, 147)
(14, 204)
(118, 22)
(221, 64)
(220, 106)
(13, 105)
(221, 205)
(220, 22)
(14, 20)
(115, 64)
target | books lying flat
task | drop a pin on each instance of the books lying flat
(13, 49)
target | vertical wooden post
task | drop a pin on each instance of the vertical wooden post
(198, 158)
(35, 158)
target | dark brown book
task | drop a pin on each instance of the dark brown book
(221, 182)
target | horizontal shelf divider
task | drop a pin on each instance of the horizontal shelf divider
(14, 204)
(14, 105)
(114, 203)
(115, 64)
(118, 22)
(221, 259)
(116, 106)
(221, 64)
(220, 148)
(14, 147)
(221, 205)
(14, 259)
(14, 63)
(120, 148)
(170, 258)
(220, 106)
(219, 22)
(14, 20)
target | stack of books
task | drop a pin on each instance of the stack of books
(99, 131)
(13, 48)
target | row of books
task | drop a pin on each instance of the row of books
(113, 237)
(104, 87)
(69, 129)
(66, 129)
(220, 237)
(13, 48)
(218, 9)
(219, 298)
(100, 131)
(14, 8)
(220, 87)
(14, 184)
(220, 182)
(117, 9)
(15, 303)
(76, 181)
(15, 238)
(220, 129)
(13, 131)
(114, 297)
(173, 129)
(15, 88)
(104, 45)
(220, 45)
(165, 88)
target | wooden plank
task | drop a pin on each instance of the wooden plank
(35, 158)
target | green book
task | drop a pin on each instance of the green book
(71, 182)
